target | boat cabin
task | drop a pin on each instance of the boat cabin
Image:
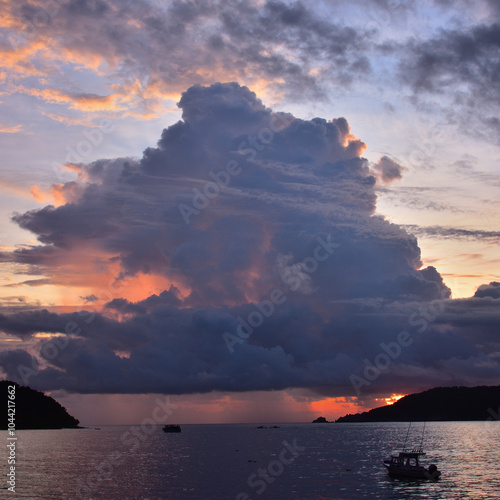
(407, 459)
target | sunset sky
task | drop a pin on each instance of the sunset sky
(267, 210)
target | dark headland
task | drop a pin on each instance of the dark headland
(439, 404)
(320, 420)
(34, 410)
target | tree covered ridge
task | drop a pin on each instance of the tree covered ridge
(34, 410)
(438, 404)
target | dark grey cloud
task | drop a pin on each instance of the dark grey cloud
(492, 290)
(182, 351)
(461, 66)
(296, 216)
(434, 64)
(487, 9)
(388, 170)
(38, 282)
(305, 34)
(90, 298)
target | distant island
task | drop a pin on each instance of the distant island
(438, 404)
(320, 420)
(34, 410)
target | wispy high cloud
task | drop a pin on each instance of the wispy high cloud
(157, 51)
(10, 129)
(151, 51)
(456, 233)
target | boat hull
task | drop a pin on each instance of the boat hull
(412, 472)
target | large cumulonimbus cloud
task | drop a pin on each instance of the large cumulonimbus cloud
(280, 275)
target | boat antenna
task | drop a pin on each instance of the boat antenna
(406, 438)
(422, 440)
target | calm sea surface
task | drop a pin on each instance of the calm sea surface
(218, 462)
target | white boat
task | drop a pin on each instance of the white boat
(407, 463)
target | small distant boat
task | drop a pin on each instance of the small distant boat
(172, 428)
(407, 464)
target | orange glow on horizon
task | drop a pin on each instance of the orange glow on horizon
(335, 407)
(392, 399)
(332, 408)
(388, 400)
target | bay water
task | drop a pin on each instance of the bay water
(242, 462)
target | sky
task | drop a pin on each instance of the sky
(266, 210)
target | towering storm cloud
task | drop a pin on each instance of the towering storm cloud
(277, 273)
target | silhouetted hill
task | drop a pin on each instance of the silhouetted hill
(34, 410)
(320, 420)
(439, 404)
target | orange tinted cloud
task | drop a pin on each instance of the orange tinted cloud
(7, 20)
(84, 59)
(355, 146)
(37, 194)
(10, 129)
(66, 120)
(140, 287)
(143, 103)
(87, 271)
(21, 58)
(57, 194)
(81, 102)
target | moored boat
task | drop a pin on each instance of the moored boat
(172, 428)
(407, 464)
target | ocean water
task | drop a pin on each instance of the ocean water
(241, 462)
